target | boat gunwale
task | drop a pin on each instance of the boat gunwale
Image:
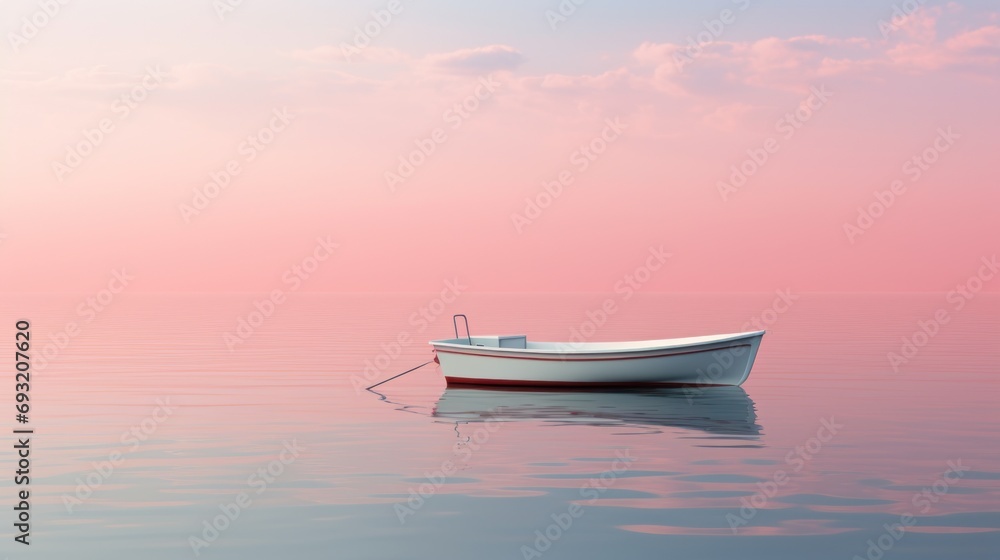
(447, 346)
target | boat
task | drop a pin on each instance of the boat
(723, 411)
(514, 361)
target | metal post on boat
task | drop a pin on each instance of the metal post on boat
(454, 322)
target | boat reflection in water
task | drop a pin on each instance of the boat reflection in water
(726, 411)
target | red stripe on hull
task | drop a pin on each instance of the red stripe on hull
(470, 382)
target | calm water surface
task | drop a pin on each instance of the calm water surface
(149, 430)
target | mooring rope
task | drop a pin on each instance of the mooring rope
(395, 376)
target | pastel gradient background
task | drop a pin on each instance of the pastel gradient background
(753, 158)
(894, 85)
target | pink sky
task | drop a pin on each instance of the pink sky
(683, 126)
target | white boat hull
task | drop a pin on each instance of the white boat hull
(699, 361)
